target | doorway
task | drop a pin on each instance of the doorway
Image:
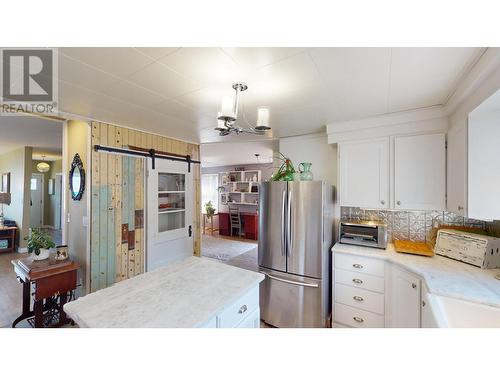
(36, 200)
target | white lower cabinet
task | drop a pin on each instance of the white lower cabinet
(403, 299)
(428, 318)
(380, 295)
(244, 313)
(358, 295)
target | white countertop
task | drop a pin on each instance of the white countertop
(185, 294)
(443, 276)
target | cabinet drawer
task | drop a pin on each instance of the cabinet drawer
(360, 280)
(359, 298)
(353, 317)
(369, 266)
(241, 309)
(251, 321)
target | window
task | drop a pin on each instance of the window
(33, 184)
(209, 190)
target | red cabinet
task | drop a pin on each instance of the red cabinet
(249, 221)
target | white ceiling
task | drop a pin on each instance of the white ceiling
(45, 136)
(236, 153)
(176, 91)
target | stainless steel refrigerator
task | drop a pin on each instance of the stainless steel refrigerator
(296, 231)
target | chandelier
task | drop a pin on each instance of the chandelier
(228, 115)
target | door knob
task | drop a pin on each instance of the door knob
(398, 203)
(460, 208)
(382, 202)
(413, 285)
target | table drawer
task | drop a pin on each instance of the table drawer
(239, 310)
(353, 317)
(369, 266)
(359, 298)
(359, 280)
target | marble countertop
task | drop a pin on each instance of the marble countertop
(184, 294)
(443, 276)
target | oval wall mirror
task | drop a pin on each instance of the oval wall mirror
(77, 178)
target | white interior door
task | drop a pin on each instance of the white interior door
(170, 213)
(36, 211)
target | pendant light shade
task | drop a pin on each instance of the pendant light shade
(227, 109)
(262, 119)
(43, 167)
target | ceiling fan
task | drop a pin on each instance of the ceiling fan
(228, 115)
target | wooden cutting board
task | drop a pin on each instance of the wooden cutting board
(410, 247)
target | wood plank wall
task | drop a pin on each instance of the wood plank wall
(117, 207)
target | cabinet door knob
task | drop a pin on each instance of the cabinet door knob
(358, 319)
(460, 208)
(358, 298)
(382, 202)
(357, 281)
(423, 303)
(398, 203)
(413, 285)
(356, 265)
(242, 309)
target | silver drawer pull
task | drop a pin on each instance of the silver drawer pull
(242, 309)
(358, 319)
(355, 265)
(357, 281)
(358, 298)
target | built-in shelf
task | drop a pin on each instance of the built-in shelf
(170, 210)
(243, 179)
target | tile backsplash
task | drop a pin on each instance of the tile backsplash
(415, 225)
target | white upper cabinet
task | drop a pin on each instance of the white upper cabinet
(484, 160)
(364, 173)
(420, 172)
(457, 171)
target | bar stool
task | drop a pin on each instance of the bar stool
(235, 219)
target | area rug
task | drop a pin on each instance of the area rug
(222, 249)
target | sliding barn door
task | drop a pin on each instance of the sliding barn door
(170, 213)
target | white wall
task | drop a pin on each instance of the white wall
(313, 148)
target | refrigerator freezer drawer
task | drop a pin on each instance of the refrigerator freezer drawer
(289, 301)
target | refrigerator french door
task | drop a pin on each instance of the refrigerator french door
(295, 235)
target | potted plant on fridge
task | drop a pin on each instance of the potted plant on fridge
(39, 243)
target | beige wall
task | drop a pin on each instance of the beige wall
(49, 201)
(313, 148)
(18, 164)
(77, 133)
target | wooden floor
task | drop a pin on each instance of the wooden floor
(234, 238)
(10, 290)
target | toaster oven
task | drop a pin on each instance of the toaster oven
(364, 233)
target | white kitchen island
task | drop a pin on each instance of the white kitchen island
(195, 292)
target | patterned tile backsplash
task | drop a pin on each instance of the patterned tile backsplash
(415, 225)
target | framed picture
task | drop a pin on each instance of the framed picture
(6, 182)
(51, 186)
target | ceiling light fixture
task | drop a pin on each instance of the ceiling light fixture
(228, 115)
(43, 166)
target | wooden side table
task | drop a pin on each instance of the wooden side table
(9, 234)
(50, 278)
(211, 220)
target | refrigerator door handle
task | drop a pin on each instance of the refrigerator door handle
(289, 226)
(283, 231)
(290, 281)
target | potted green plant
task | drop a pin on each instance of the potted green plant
(39, 243)
(209, 208)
